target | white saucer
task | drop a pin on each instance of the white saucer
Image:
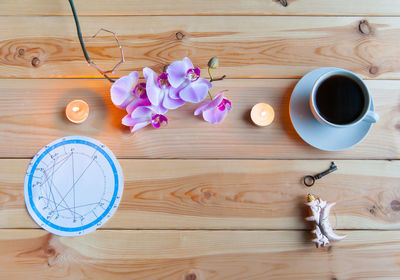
(313, 132)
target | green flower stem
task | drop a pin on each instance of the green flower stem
(218, 79)
(209, 73)
(211, 77)
(78, 30)
(209, 94)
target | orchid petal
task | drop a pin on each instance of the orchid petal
(172, 103)
(121, 90)
(139, 126)
(214, 116)
(215, 102)
(177, 73)
(204, 81)
(152, 89)
(188, 63)
(174, 92)
(137, 102)
(195, 92)
(149, 73)
(129, 121)
(159, 109)
(202, 108)
(142, 113)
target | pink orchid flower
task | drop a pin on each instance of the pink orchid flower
(186, 82)
(160, 92)
(146, 103)
(143, 116)
(127, 93)
(214, 111)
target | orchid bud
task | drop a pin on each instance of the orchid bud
(213, 62)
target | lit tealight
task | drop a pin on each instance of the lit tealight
(77, 111)
(262, 114)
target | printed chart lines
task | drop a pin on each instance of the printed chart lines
(62, 204)
(64, 209)
(50, 182)
(73, 185)
(50, 188)
(62, 161)
(73, 180)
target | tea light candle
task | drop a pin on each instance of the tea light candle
(262, 114)
(77, 111)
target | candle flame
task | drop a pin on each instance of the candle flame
(75, 109)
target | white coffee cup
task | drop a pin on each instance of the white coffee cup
(366, 115)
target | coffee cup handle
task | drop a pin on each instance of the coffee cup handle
(371, 117)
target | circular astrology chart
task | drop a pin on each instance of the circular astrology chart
(73, 186)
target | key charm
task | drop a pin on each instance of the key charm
(309, 180)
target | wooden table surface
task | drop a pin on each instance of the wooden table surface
(204, 201)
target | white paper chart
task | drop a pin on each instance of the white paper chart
(73, 186)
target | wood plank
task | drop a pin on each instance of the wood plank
(204, 7)
(232, 194)
(32, 115)
(198, 255)
(248, 46)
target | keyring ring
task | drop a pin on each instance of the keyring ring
(309, 180)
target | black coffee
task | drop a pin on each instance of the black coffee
(340, 100)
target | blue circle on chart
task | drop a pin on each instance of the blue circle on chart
(73, 185)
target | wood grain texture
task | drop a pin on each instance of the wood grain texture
(197, 255)
(203, 201)
(232, 194)
(204, 7)
(32, 115)
(248, 46)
